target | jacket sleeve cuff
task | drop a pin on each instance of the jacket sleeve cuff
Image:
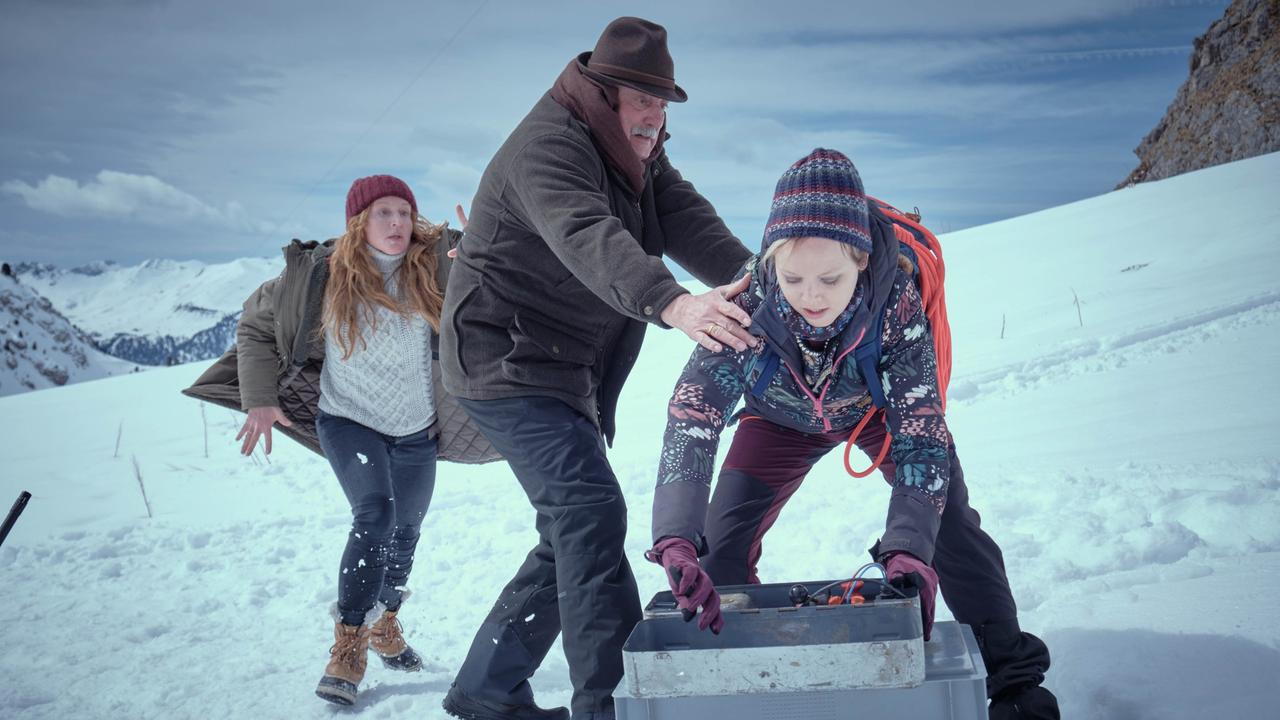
(654, 554)
(680, 511)
(251, 398)
(654, 302)
(912, 526)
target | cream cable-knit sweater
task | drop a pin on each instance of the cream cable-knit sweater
(385, 386)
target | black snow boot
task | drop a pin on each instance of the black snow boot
(386, 638)
(1016, 663)
(460, 705)
(1030, 702)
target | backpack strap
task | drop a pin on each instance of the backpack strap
(867, 356)
(770, 358)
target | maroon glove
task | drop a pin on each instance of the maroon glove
(907, 570)
(689, 582)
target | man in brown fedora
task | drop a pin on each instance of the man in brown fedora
(557, 276)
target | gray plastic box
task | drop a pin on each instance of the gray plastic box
(812, 663)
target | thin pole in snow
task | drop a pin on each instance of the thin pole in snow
(14, 512)
(137, 472)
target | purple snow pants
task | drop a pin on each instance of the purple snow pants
(766, 465)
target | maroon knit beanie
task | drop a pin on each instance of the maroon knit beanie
(367, 189)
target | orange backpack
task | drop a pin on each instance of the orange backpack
(921, 247)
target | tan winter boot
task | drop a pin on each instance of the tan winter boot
(347, 661)
(386, 637)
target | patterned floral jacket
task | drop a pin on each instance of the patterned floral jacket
(712, 384)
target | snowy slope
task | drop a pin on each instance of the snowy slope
(41, 348)
(157, 310)
(1129, 468)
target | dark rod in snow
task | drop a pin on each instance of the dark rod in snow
(14, 512)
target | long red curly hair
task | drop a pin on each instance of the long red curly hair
(355, 287)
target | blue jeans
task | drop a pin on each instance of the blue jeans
(388, 481)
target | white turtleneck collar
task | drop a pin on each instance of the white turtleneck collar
(387, 264)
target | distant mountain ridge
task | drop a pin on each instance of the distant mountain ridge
(159, 312)
(41, 348)
(168, 350)
(42, 270)
(1229, 107)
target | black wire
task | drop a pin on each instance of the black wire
(883, 583)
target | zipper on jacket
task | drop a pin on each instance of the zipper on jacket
(822, 396)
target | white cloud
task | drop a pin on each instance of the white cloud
(232, 113)
(141, 198)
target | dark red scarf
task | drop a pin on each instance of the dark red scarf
(596, 105)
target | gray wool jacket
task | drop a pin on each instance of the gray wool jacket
(279, 355)
(560, 268)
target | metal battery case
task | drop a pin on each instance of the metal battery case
(769, 646)
(818, 662)
(954, 688)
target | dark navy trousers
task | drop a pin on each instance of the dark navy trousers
(576, 580)
(388, 481)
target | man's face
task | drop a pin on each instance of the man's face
(642, 117)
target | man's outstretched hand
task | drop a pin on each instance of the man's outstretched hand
(710, 319)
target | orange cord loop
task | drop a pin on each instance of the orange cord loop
(884, 449)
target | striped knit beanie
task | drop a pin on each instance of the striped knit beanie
(820, 196)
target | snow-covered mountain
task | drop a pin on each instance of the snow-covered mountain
(1115, 404)
(160, 312)
(41, 347)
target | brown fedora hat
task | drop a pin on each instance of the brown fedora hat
(633, 52)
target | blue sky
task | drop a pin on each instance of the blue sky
(140, 128)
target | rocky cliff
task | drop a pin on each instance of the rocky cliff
(40, 348)
(1229, 107)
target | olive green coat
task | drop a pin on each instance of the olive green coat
(279, 353)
